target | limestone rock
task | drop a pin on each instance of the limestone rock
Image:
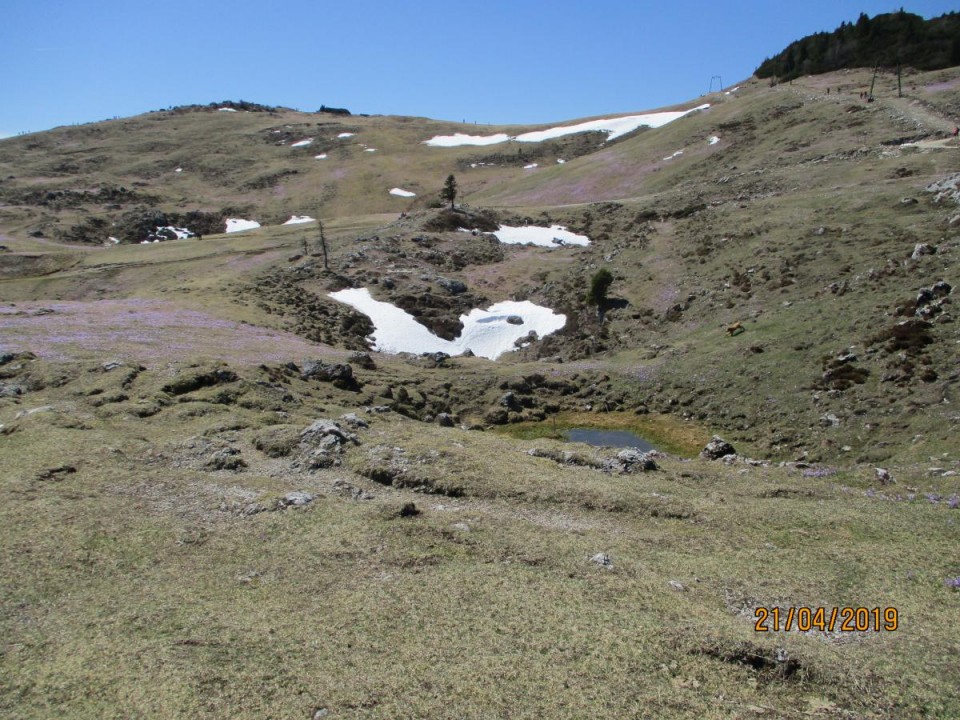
(716, 449)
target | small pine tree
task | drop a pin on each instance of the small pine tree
(599, 285)
(449, 191)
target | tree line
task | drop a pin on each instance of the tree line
(891, 39)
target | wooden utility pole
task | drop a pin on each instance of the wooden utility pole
(323, 245)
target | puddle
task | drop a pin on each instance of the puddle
(608, 438)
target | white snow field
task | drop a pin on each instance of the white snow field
(299, 219)
(458, 139)
(400, 192)
(614, 127)
(238, 225)
(553, 236)
(485, 332)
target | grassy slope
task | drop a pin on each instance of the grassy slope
(138, 585)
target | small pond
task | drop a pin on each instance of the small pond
(608, 438)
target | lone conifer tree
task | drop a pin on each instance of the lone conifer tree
(599, 285)
(449, 191)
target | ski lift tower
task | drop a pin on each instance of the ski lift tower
(719, 83)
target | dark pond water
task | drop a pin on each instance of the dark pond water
(609, 438)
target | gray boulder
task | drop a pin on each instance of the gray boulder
(717, 448)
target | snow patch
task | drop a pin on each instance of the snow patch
(614, 127)
(486, 333)
(303, 143)
(299, 219)
(178, 170)
(226, 109)
(370, 150)
(553, 236)
(400, 192)
(458, 139)
(678, 153)
(238, 225)
(346, 135)
(321, 156)
(113, 241)
(531, 166)
(560, 161)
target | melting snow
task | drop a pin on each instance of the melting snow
(322, 156)
(485, 332)
(713, 140)
(179, 170)
(400, 192)
(303, 143)
(299, 219)
(733, 90)
(614, 127)
(460, 139)
(238, 225)
(560, 161)
(346, 135)
(678, 153)
(181, 233)
(226, 109)
(370, 150)
(113, 240)
(531, 166)
(553, 236)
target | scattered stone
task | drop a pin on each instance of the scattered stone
(435, 359)
(603, 560)
(319, 430)
(320, 714)
(339, 374)
(362, 360)
(633, 460)
(462, 527)
(829, 420)
(908, 201)
(227, 458)
(454, 287)
(883, 476)
(677, 585)
(515, 320)
(717, 448)
(345, 488)
(921, 249)
(112, 365)
(10, 390)
(353, 420)
(509, 400)
(296, 499)
(445, 420)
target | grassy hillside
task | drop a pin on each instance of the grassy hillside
(181, 538)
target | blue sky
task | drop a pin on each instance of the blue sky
(74, 61)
